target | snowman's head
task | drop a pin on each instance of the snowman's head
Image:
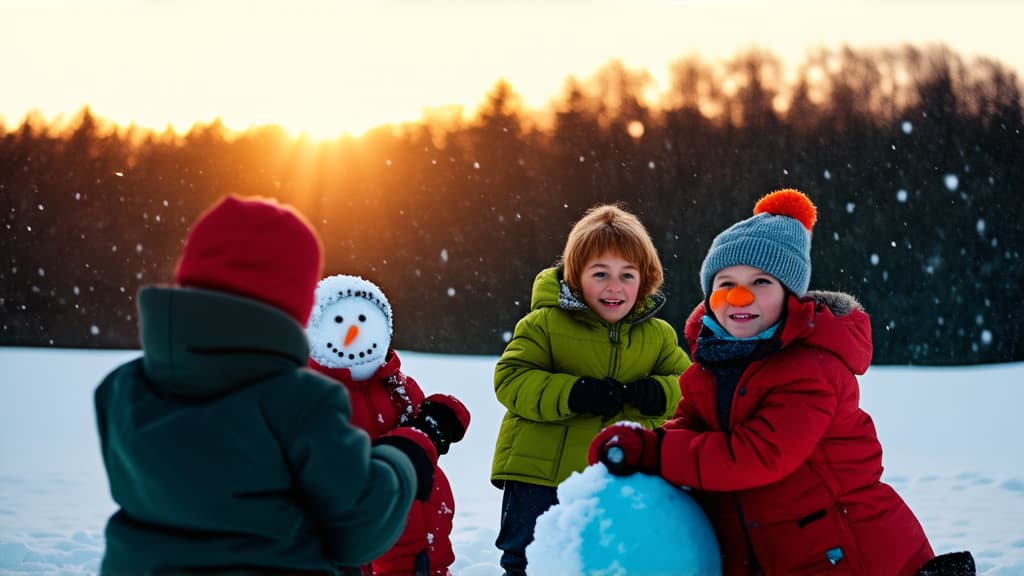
(350, 326)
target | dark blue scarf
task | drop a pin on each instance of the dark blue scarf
(727, 357)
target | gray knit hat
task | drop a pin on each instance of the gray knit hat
(776, 239)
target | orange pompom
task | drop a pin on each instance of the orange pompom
(789, 202)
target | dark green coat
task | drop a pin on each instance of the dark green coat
(541, 441)
(222, 449)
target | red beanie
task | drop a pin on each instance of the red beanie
(258, 248)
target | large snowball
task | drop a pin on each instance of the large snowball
(636, 525)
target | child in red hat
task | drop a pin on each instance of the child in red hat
(224, 452)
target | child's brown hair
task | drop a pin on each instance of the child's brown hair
(609, 228)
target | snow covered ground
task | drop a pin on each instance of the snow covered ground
(951, 438)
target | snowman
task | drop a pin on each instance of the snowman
(349, 334)
(350, 326)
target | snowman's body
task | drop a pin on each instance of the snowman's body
(349, 334)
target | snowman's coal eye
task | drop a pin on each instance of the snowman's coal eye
(337, 319)
(362, 318)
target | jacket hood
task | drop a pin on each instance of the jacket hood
(551, 290)
(202, 343)
(832, 321)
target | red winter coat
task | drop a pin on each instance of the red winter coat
(386, 401)
(796, 473)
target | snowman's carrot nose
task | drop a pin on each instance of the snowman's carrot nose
(352, 334)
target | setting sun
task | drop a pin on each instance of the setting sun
(329, 68)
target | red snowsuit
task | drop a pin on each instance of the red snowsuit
(387, 400)
(795, 474)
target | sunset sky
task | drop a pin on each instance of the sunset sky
(331, 67)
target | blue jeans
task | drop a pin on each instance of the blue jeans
(521, 505)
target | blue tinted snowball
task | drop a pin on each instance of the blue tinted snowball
(622, 526)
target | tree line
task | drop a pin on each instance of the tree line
(912, 154)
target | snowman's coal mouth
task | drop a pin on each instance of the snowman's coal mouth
(353, 358)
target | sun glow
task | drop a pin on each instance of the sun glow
(328, 68)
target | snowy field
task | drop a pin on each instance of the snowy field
(951, 438)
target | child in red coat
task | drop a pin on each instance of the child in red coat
(350, 340)
(769, 432)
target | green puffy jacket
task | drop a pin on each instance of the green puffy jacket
(541, 441)
(223, 450)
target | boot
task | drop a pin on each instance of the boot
(951, 564)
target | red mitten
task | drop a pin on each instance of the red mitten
(444, 419)
(627, 447)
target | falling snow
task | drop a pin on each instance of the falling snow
(952, 182)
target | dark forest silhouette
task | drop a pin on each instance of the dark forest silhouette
(914, 157)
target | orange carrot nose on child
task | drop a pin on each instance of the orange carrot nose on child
(735, 296)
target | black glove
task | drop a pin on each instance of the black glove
(601, 396)
(437, 419)
(648, 396)
(420, 461)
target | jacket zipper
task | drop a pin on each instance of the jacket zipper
(613, 338)
(754, 568)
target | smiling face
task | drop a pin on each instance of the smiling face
(746, 300)
(350, 333)
(610, 285)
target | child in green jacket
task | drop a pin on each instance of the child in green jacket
(224, 452)
(590, 352)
